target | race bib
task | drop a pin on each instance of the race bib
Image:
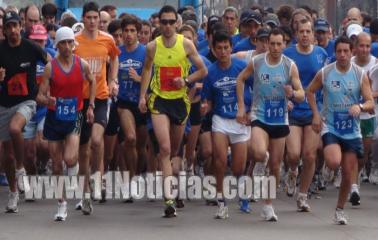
(343, 122)
(17, 85)
(66, 109)
(167, 74)
(275, 111)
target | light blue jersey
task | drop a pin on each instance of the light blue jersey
(340, 92)
(269, 100)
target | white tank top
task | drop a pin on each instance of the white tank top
(372, 62)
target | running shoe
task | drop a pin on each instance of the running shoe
(340, 217)
(12, 203)
(170, 210)
(268, 213)
(62, 212)
(302, 204)
(87, 207)
(222, 211)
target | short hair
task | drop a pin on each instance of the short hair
(304, 21)
(90, 6)
(366, 18)
(114, 26)
(132, 20)
(49, 9)
(231, 9)
(146, 23)
(275, 32)
(124, 15)
(221, 36)
(22, 10)
(257, 7)
(218, 27)
(286, 30)
(52, 27)
(156, 33)
(187, 28)
(285, 11)
(374, 26)
(344, 39)
(108, 8)
(68, 22)
(167, 9)
(307, 8)
(296, 12)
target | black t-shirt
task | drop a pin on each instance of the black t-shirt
(19, 62)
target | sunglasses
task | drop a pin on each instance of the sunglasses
(168, 21)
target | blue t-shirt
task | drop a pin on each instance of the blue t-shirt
(201, 35)
(128, 88)
(220, 88)
(204, 51)
(193, 68)
(374, 49)
(42, 110)
(236, 39)
(244, 45)
(308, 65)
(203, 44)
(330, 49)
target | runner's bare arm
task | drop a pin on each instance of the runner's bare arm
(314, 86)
(368, 105)
(240, 82)
(112, 77)
(91, 79)
(195, 58)
(146, 72)
(298, 93)
(43, 97)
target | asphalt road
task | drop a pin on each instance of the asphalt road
(142, 220)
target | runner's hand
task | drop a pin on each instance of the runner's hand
(51, 101)
(134, 75)
(90, 116)
(290, 105)
(355, 110)
(113, 88)
(2, 74)
(179, 82)
(204, 109)
(142, 105)
(241, 116)
(288, 91)
(317, 123)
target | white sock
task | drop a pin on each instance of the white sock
(73, 171)
(302, 195)
(354, 188)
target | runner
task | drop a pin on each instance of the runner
(96, 47)
(132, 121)
(61, 91)
(302, 142)
(366, 61)
(276, 80)
(170, 53)
(18, 64)
(219, 94)
(343, 84)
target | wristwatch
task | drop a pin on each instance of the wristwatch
(186, 81)
(92, 105)
(361, 107)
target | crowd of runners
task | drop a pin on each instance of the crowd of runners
(251, 92)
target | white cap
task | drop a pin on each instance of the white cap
(64, 33)
(354, 29)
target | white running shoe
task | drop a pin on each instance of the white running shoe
(222, 212)
(302, 204)
(12, 203)
(62, 212)
(20, 181)
(291, 182)
(340, 217)
(268, 213)
(373, 178)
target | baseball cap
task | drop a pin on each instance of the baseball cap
(64, 33)
(38, 32)
(321, 24)
(263, 32)
(188, 15)
(353, 29)
(272, 19)
(11, 17)
(77, 27)
(250, 15)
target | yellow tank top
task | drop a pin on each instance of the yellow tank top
(169, 63)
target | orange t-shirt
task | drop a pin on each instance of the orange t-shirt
(96, 52)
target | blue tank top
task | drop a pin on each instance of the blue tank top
(269, 100)
(220, 88)
(128, 88)
(341, 91)
(308, 65)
